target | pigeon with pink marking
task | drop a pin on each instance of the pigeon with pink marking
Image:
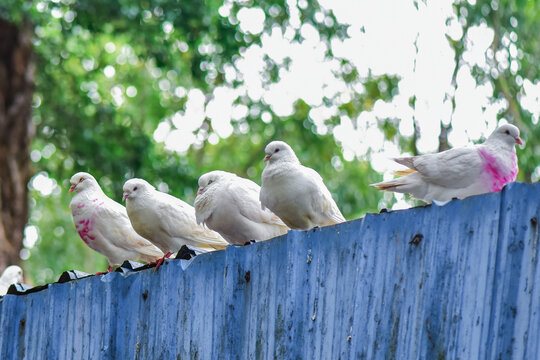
(104, 226)
(168, 222)
(295, 193)
(460, 172)
(229, 204)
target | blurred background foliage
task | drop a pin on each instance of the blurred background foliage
(114, 79)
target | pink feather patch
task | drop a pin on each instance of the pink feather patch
(84, 233)
(497, 175)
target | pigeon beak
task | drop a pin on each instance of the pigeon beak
(126, 194)
(71, 189)
(200, 191)
(266, 158)
(519, 141)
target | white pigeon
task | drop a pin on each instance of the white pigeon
(296, 193)
(460, 172)
(104, 226)
(230, 205)
(166, 221)
(11, 275)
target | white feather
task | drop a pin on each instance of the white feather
(230, 205)
(461, 172)
(166, 221)
(104, 225)
(297, 194)
(11, 275)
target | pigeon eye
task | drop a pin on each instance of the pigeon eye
(210, 181)
(507, 132)
(135, 188)
(277, 150)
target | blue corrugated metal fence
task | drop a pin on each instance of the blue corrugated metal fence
(459, 281)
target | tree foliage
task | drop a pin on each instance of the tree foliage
(513, 59)
(110, 73)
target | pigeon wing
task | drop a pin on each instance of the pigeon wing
(244, 194)
(112, 222)
(321, 198)
(454, 168)
(178, 220)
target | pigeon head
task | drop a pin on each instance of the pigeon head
(279, 151)
(81, 181)
(13, 275)
(136, 187)
(210, 178)
(508, 134)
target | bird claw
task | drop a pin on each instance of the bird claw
(250, 242)
(109, 269)
(160, 261)
(441, 203)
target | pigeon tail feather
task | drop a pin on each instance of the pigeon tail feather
(150, 254)
(412, 184)
(406, 161)
(405, 172)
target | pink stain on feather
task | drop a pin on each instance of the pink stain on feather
(80, 206)
(84, 233)
(498, 177)
(84, 227)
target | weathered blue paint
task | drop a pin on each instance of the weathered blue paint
(470, 289)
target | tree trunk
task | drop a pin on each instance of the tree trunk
(16, 130)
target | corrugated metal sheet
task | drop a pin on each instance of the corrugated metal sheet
(467, 287)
